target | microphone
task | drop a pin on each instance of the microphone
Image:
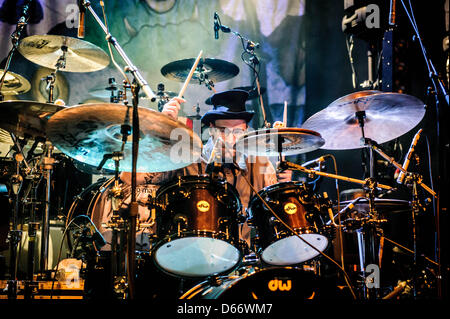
(407, 160)
(81, 12)
(216, 26)
(314, 161)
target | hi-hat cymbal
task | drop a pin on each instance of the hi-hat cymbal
(80, 56)
(88, 132)
(26, 117)
(387, 116)
(207, 69)
(14, 84)
(269, 142)
(252, 93)
(382, 205)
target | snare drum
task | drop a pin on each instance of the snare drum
(300, 209)
(197, 225)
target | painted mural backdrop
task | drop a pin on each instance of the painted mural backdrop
(154, 33)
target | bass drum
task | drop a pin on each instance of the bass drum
(270, 283)
(297, 206)
(85, 202)
(198, 227)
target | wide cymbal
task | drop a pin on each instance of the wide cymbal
(46, 50)
(266, 142)
(207, 69)
(26, 117)
(14, 84)
(88, 132)
(387, 116)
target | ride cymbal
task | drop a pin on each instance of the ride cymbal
(386, 116)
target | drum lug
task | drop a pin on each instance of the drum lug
(181, 222)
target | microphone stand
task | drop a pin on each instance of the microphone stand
(130, 66)
(440, 94)
(253, 63)
(138, 83)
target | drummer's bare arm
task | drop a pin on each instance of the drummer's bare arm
(269, 173)
(172, 107)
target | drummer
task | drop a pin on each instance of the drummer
(227, 121)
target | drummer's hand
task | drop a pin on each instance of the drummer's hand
(172, 107)
(284, 176)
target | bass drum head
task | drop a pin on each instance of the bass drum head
(292, 250)
(197, 256)
(270, 283)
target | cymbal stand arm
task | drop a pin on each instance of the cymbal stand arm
(296, 167)
(130, 66)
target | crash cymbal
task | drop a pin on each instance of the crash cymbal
(26, 117)
(252, 93)
(14, 84)
(208, 69)
(46, 50)
(88, 132)
(387, 116)
(265, 142)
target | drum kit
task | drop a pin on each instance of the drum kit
(198, 218)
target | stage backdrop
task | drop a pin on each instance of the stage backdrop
(155, 33)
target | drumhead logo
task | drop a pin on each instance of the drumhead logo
(203, 206)
(290, 208)
(280, 285)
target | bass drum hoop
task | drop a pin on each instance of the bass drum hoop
(96, 188)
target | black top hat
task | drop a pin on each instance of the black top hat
(228, 105)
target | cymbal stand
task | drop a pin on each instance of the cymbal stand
(415, 180)
(14, 234)
(51, 79)
(47, 166)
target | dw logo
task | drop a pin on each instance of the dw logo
(276, 284)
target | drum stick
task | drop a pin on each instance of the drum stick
(285, 114)
(186, 82)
